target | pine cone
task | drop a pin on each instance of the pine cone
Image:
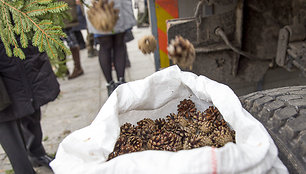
(233, 133)
(166, 141)
(187, 109)
(182, 121)
(206, 127)
(191, 129)
(181, 132)
(199, 116)
(120, 142)
(103, 16)
(127, 149)
(169, 126)
(181, 52)
(212, 113)
(128, 129)
(196, 141)
(146, 123)
(145, 128)
(135, 142)
(171, 122)
(147, 44)
(222, 136)
(171, 117)
(160, 123)
(112, 155)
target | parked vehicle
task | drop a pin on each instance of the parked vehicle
(250, 45)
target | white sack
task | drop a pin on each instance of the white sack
(86, 150)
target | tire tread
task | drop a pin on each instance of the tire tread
(283, 113)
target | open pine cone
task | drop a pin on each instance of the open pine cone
(147, 44)
(103, 16)
(196, 141)
(120, 142)
(160, 123)
(206, 127)
(223, 136)
(135, 142)
(181, 52)
(186, 108)
(128, 129)
(145, 128)
(166, 141)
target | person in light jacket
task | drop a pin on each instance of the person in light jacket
(114, 42)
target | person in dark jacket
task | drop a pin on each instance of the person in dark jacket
(29, 84)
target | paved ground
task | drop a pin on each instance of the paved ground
(81, 98)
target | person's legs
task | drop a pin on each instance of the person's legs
(75, 50)
(32, 133)
(13, 145)
(77, 71)
(105, 58)
(119, 55)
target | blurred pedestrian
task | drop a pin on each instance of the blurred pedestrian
(82, 26)
(72, 40)
(89, 45)
(142, 14)
(114, 42)
(27, 84)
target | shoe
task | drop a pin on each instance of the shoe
(44, 160)
(77, 70)
(76, 73)
(120, 81)
(111, 87)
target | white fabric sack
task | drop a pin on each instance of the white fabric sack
(85, 151)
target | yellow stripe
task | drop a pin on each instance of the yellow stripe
(162, 15)
(164, 60)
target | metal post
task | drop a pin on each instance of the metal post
(153, 23)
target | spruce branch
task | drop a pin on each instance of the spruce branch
(28, 20)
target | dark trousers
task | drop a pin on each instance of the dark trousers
(20, 139)
(32, 133)
(112, 44)
(12, 143)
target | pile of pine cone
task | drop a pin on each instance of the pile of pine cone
(187, 129)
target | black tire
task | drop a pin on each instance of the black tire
(283, 113)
